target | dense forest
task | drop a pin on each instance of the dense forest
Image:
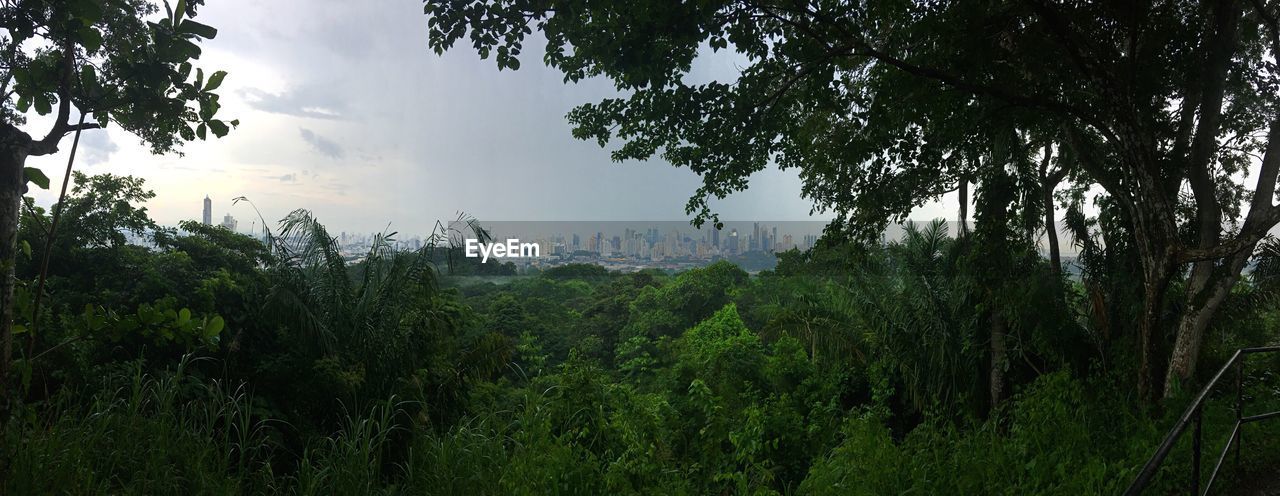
(215, 362)
(966, 358)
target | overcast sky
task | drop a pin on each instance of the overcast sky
(345, 111)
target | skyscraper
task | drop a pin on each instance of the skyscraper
(229, 223)
(208, 211)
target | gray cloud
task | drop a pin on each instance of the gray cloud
(325, 146)
(300, 103)
(96, 147)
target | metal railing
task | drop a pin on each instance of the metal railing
(1193, 416)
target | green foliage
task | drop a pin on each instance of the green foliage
(233, 366)
(117, 60)
(576, 271)
(142, 434)
(160, 323)
(1060, 436)
(692, 296)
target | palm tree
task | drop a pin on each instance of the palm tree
(381, 314)
(917, 322)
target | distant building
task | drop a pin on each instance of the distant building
(208, 211)
(229, 222)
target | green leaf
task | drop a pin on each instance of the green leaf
(187, 49)
(219, 128)
(88, 77)
(87, 11)
(202, 30)
(26, 248)
(200, 132)
(215, 80)
(184, 315)
(42, 105)
(214, 326)
(208, 107)
(36, 176)
(90, 39)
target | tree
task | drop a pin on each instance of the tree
(109, 61)
(878, 105)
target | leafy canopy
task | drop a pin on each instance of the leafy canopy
(881, 106)
(116, 60)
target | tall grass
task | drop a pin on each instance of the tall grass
(149, 435)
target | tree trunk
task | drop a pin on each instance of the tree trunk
(1208, 284)
(1049, 181)
(964, 207)
(999, 357)
(1205, 294)
(12, 159)
(1157, 269)
(1051, 230)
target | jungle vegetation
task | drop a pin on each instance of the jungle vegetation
(190, 359)
(232, 366)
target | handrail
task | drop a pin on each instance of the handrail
(1194, 413)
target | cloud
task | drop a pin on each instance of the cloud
(287, 178)
(302, 102)
(325, 146)
(96, 147)
(336, 188)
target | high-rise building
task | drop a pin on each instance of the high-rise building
(208, 211)
(229, 222)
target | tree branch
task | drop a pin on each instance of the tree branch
(1263, 213)
(1221, 44)
(1033, 101)
(1077, 145)
(1061, 30)
(61, 123)
(1269, 173)
(805, 70)
(1272, 25)
(84, 126)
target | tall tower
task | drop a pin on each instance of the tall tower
(208, 211)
